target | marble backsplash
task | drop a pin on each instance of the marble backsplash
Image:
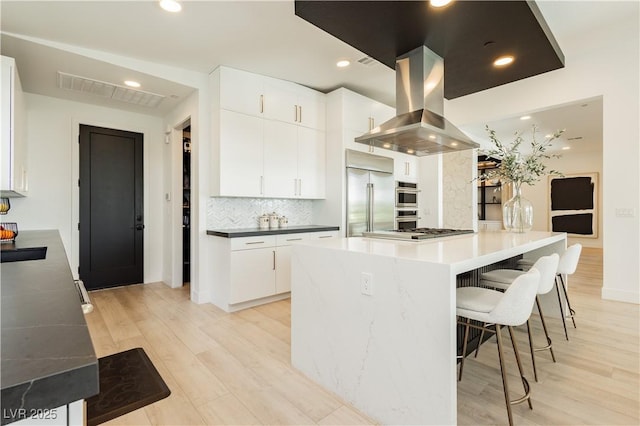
(233, 213)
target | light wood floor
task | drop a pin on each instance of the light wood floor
(235, 368)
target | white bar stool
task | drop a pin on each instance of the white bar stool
(567, 266)
(502, 278)
(494, 308)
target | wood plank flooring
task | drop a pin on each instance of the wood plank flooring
(234, 369)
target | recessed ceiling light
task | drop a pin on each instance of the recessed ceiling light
(565, 148)
(439, 3)
(343, 63)
(525, 117)
(548, 136)
(170, 5)
(454, 143)
(503, 61)
(432, 137)
(132, 83)
(410, 151)
(386, 145)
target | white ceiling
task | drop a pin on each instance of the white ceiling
(262, 36)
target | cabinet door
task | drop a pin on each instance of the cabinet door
(381, 113)
(280, 101)
(349, 136)
(241, 155)
(311, 163)
(312, 109)
(241, 91)
(280, 159)
(6, 110)
(405, 167)
(283, 269)
(357, 112)
(252, 274)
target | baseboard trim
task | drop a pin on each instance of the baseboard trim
(621, 295)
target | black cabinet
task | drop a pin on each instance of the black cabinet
(489, 191)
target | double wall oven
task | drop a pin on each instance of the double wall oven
(406, 205)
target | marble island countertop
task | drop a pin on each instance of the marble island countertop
(48, 358)
(462, 252)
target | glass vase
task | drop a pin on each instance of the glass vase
(517, 213)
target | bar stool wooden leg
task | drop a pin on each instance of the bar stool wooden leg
(532, 350)
(505, 385)
(525, 383)
(566, 296)
(464, 347)
(564, 322)
(546, 333)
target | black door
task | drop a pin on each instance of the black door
(111, 222)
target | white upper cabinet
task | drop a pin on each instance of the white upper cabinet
(311, 163)
(268, 136)
(405, 167)
(280, 159)
(13, 152)
(273, 99)
(242, 151)
(363, 114)
(241, 92)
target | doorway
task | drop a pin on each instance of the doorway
(186, 205)
(111, 207)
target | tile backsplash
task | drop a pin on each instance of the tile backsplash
(228, 212)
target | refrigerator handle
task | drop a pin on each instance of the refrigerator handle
(368, 208)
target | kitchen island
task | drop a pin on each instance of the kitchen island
(48, 360)
(374, 321)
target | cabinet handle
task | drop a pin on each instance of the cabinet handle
(255, 242)
(300, 187)
(295, 112)
(373, 123)
(261, 104)
(274, 260)
(300, 114)
(325, 236)
(294, 239)
(261, 185)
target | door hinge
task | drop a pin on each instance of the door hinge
(78, 226)
(78, 270)
(78, 183)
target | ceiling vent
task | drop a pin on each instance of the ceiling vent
(367, 61)
(108, 90)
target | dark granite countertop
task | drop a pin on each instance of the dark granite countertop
(252, 232)
(48, 358)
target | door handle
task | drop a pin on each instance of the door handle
(139, 227)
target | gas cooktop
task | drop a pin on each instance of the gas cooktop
(416, 234)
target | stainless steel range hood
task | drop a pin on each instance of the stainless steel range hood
(419, 127)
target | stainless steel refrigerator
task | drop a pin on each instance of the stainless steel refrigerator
(370, 193)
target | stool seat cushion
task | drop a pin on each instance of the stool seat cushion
(505, 276)
(476, 302)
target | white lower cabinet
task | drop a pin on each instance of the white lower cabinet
(253, 273)
(254, 270)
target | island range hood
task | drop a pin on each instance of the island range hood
(419, 127)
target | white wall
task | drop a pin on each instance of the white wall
(603, 62)
(53, 164)
(539, 194)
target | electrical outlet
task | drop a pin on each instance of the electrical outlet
(626, 212)
(366, 283)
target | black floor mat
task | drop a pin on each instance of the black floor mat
(128, 381)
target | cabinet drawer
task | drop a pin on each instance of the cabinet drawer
(323, 235)
(249, 243)
(288, 239)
